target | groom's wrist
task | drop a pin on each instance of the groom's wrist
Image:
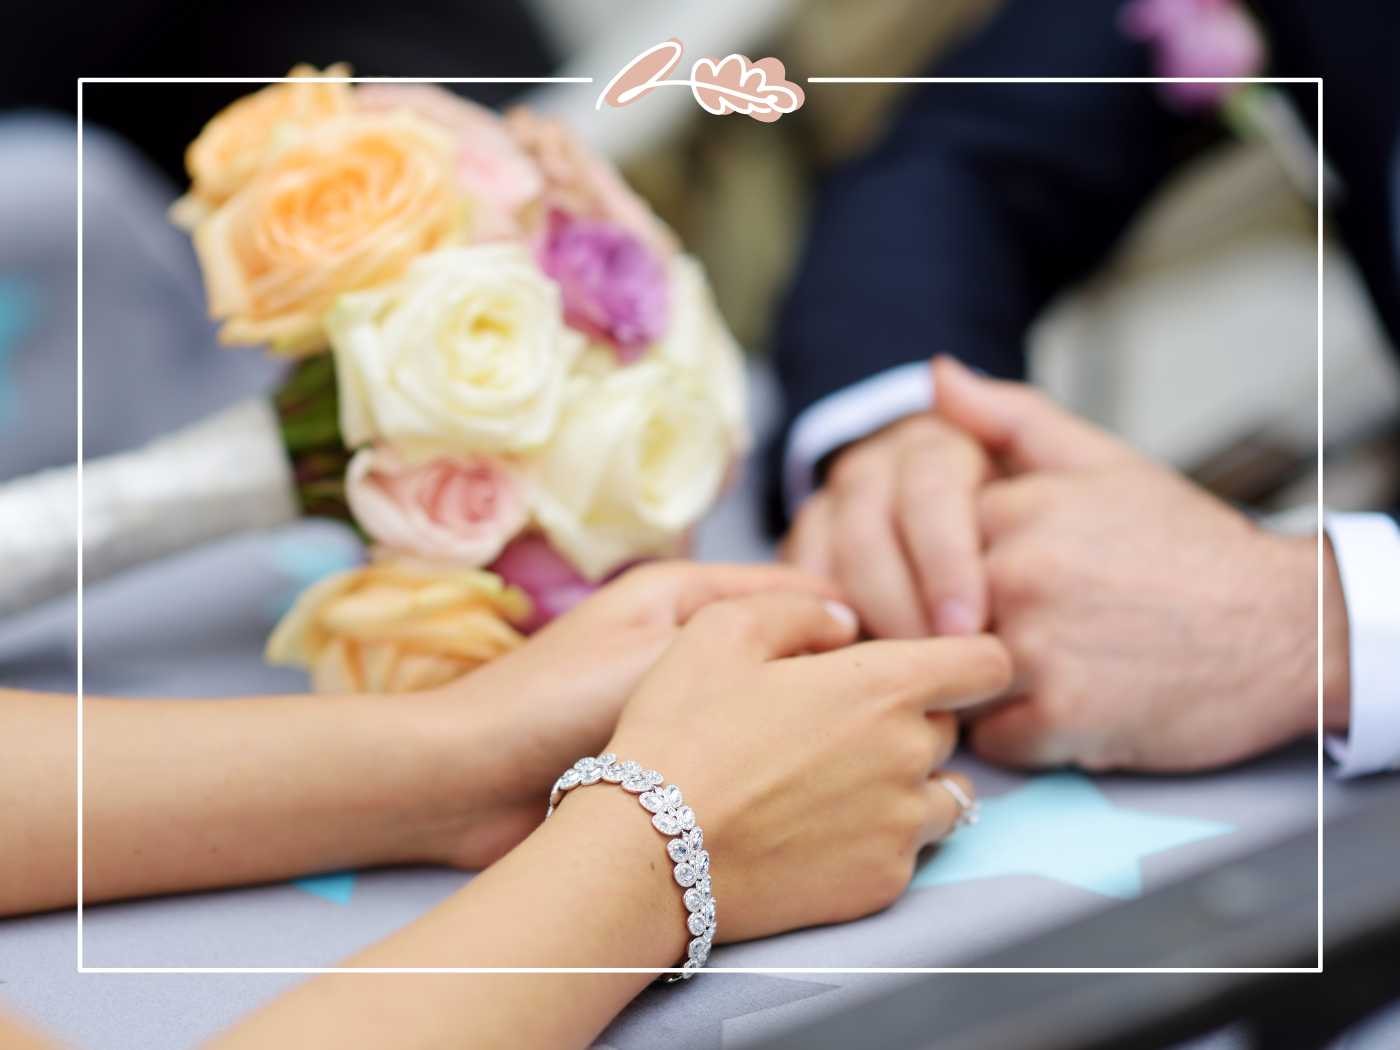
(1336, 645)
(1296, 596)
(1279, 642)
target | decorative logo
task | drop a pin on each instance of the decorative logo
(732, 84)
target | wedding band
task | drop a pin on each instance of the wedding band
(968, 810)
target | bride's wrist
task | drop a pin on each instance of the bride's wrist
(461, 805)
(684, 808)
(604, 828)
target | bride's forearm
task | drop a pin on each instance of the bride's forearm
(591, 888)
(183, 795)
(15, 1037)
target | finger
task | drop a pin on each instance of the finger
(769, 626)
(943, 733)
(935, 674)
(1017, 423)
(700, 585)
(945, 810)
(1018, 734)
(808, 544)
(868, 560)
(1004, 506)
(936, 515)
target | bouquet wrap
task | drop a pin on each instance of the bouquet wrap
(502, 369)
(224, 475)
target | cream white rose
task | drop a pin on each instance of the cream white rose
(466, 353)
(640, 454)
(699, 342)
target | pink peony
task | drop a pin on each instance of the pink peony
(1197, 38)
(554, 586)
(495, 172)
(613, 286)
(462, 511)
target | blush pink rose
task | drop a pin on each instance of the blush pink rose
(1197, 38)
(449, 509)
(553, 585)
(495, 172)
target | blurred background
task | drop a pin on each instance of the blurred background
(1226, 251)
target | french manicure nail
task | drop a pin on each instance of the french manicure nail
(843, 614)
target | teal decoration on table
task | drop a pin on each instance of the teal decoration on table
(336, 887)
(1061, 826)
(304, 561)
(17, 310)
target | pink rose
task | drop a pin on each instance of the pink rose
(614, 286)
(495, 172)
(449, 509)
(554, 586)
(579, 181)
(1197, 38)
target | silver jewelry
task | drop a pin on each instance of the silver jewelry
(674, 819)
(969, 812)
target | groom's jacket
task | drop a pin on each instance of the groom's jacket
(983, 201)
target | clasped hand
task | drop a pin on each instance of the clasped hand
(1151, 626)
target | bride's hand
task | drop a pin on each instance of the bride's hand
(814, 777)
(534, 711)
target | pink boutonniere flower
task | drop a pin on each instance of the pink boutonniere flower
(1196, 38)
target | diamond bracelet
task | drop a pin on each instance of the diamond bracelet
(674, 819)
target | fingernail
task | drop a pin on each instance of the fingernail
(955, 616)
(843, 614)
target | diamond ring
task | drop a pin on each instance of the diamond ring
(968, 809)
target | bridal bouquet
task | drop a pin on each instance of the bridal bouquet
(504, 363)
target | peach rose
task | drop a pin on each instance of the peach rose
(236, 143)
(453, 509)
(398, 625)
(496, 174)
(347, 207)
(579, 181)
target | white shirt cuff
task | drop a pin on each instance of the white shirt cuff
(849, 415)
(1367, 547)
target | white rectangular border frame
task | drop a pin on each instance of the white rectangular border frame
(84, 969)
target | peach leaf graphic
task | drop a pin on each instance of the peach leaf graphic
(643, 75)
(735, 85)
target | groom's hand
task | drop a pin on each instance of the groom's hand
(895, 527)
(1152, 626)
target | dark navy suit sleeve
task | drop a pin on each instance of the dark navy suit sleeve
(982, 201)
(979, 203)
(1354, 45)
